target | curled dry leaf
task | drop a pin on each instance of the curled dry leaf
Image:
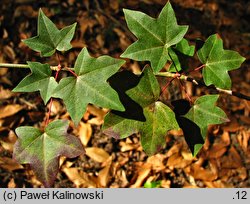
(174, 149)
(97, 154)
(9, 110)
(11, 183)
(79, 178)
(85, 132)
(56, 107)
(128, 146)
(99, 114)
(104, 174)
(157, 162)
(217, 150)
(231, 160)
(177, 161)
(8, 143)
(243, 139)
(198, 172)
(143, 173)
(5, 93)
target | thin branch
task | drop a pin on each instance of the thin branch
(196, 69)
(166, 86)
(185, 91)
(26, 66)
(162, 74)
(18, 66)
(71, 71)
(225, 91)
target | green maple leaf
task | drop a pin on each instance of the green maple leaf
(159, 117)
(49, 38)
(155, 36)
(41, 149)
(203, 113)
(39, 80)
(218, 62)
(90, 86)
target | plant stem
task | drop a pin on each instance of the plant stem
(196, 69)
(24, 66)
(18, 66)
(58, 69)
(166, 86)
(162, 74)
(71, 71)
(169, 74)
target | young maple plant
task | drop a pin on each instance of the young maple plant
(134, 100)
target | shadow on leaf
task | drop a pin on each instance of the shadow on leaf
(121, 82)
(192, 132)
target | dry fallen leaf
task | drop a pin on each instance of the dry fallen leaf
(243, 139)
(5, 93)
(128, 146)
(97, 154)
(8, 143)
(79, 178)
(143, 173)
(104, 174)
(177, 161)
(198, 172)
(156, 162)
(217, 150)
(85, 132)
(56, 107)
(98, 113)
(11, 183)
(9, 110)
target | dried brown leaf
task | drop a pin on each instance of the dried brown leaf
(98, 112)
(156, 161)
(97, 154)
(11, 183)
(143, 173)
(104, 174)
(85, 132)
(5, 93)
(243, 139)
(231, 160)
(177, 161)
(217, 150)
(9, 110)
(8, 143)
(79, 178)
(198, 172)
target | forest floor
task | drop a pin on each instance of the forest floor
(224, 160)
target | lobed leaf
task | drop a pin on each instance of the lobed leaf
(155, 36)
(218, 62)
(90, 85)
(49, 38)
(203, 113)
(159, 117)
(39, 80)
(41, 149)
